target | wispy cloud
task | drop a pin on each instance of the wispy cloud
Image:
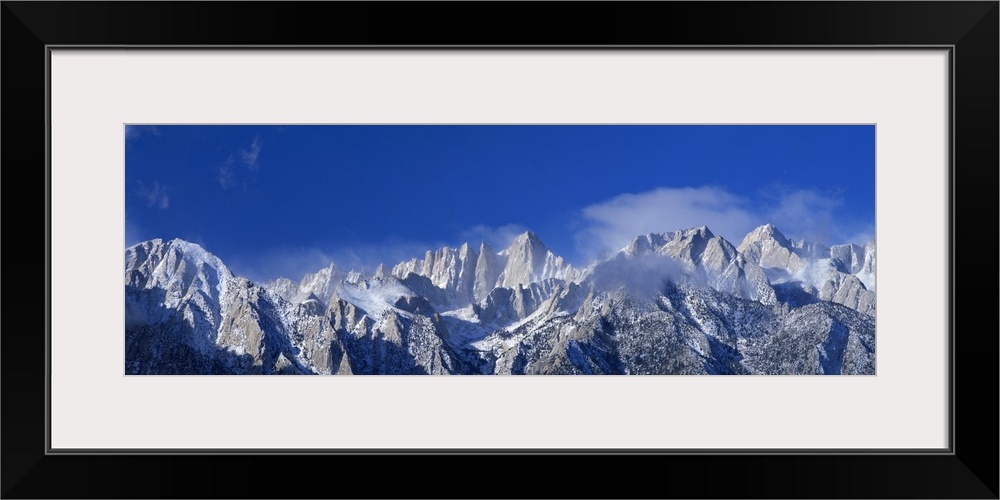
(497, 236)
(155, 196)
(803, 214)
(390, 252)
(610, 225)
(864, 234)
(133, 233)
(225, 173)
(285, 262)
(294, 263)
(133, 132)
(248, 157)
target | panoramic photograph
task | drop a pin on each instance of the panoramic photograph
(499, 249)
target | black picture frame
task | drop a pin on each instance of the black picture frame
(970, 29)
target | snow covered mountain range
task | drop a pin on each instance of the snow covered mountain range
(682, 302)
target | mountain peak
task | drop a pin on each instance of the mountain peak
(193, 251)
(528, 236)
(525, 311)
(702, 231)
(527, 242)
(180, 243)
(177, 263)
(767, 231)
(528, 260)
(155, 242)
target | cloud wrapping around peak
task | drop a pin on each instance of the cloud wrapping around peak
(807, 215)
(295, 262)
(800, 214)
(611, 225)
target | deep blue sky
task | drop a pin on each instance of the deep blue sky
(275, 200)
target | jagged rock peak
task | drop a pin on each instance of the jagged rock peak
(312, 306)
(706, 309)
(488, 269)
(355, 277)
(192, 251)
(702, 231)
(673, 242)
(156, 262)
(525, 264)
(766, 232)
(526, 241)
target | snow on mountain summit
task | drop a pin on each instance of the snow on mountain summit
(842, 273)
(176, 265)
(707, 257)
(528, 261)
(685, 301)
(470, 275)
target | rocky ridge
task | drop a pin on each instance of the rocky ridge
(681, 302)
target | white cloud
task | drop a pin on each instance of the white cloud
(249, 156)
(155, 196)
(863, 236)
(225, 173)
(133, 234)
(294, 263)
(806, 215)
(800, 214)
(498, 237)
(133, 132)
(612, 224)
(291, 263)
(390, 252)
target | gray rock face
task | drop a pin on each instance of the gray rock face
(187, 313)
(867, 272)
(469, 276)
(527, 260)
(254, 327)
(488, 269)
(175, 282)
(322, 284)
(683, 302)
(709, 258)
(507, 305)
(848, 258)
(844, 274)
(768, 248)
(690, 331)
(453, 270)
(820, 339)
(848, 290)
